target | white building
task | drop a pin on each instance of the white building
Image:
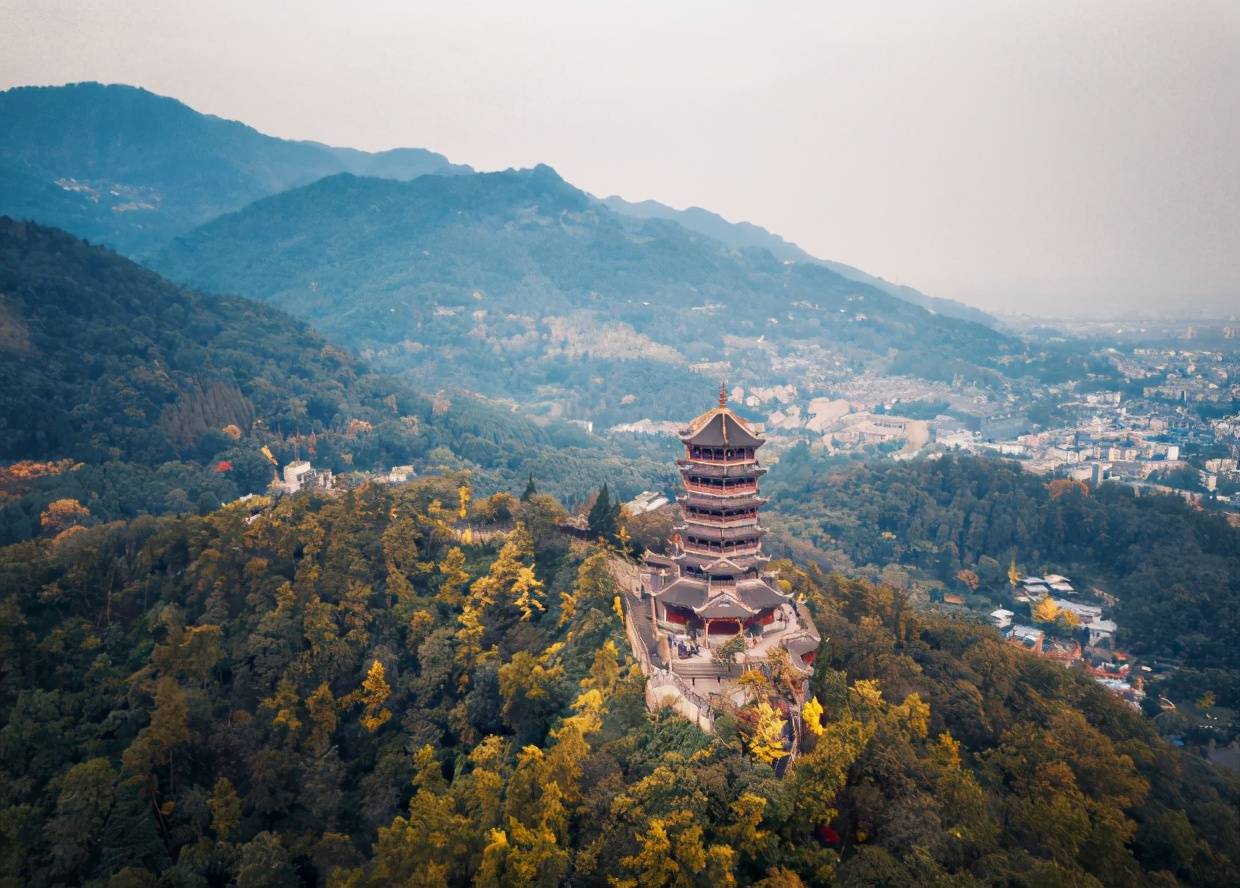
(646, 501)
(296, 475)
(1086, 613)
(1101, 632)
(300, 475)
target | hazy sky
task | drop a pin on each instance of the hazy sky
(1020, 156)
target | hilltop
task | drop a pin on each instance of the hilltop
(335, 691)
(130, 168)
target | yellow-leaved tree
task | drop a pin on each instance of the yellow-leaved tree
(527, 593)
(767, 742)
(811, 715)
(671, 853)
(511, 579)
(452, 570)
(375, 693)
(1046, 610)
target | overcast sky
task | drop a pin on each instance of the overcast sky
(1019, 156)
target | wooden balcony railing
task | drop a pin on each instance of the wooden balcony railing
(735, 490)
(698, 549)
(719, 462)
(734, 521)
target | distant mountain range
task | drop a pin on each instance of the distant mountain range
(740, 235)
(132, 169)
(512, 284)
(515, 281)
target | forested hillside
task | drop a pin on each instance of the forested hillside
(124, 166)
(127, 394)
(522, 285)
(1174, 569)
(340, 691)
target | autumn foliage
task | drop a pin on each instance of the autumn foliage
(343, 687)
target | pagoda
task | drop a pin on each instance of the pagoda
(714, 584)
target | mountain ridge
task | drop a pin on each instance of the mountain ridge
(749, 234)
(503, 270)
(131, 168)
(135, 167)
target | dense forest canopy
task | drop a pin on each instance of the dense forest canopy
(160, 398)
(1175, 569)
(343, 691)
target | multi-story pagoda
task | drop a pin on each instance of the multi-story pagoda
(714, 585)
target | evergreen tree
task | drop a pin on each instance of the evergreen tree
(603, 519)
(530, 489)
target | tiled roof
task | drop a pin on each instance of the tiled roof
(720, 427)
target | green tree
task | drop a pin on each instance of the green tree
(604, 517)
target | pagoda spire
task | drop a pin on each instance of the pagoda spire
(723, 393)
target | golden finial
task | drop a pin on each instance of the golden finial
(723, 393)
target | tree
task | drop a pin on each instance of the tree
(767, 742)
(324, 716)
(726, 653)
(85, 799)
(225, 807)
(532, 859)
(1046, 610)
(672, 853)
(819, 775)
(454, 577)
(603, 518)
(62, 514)
(531, 690)
(375, 693)
(527, 592)
(811, 716)
(530, 489)
(1060, 486)
(265, 863)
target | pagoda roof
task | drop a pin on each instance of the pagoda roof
(759, 593)
(716, 564)
(655, 559)
(684, 592)
(725, 604)
(747, 597)
(721, 427)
